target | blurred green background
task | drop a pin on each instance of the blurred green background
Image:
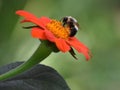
(100, 31)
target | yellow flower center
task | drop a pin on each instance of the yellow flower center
(58, 30)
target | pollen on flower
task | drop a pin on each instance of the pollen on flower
(58, 30)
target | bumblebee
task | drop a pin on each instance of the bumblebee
(71, 23)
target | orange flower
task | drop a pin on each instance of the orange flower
(53, 31)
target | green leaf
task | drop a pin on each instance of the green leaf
(40, 77)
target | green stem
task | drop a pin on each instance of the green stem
(41, 53)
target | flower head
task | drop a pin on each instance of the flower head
(53, 31)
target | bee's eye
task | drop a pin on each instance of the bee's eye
(65, 19)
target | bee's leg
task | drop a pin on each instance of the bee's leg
(73, 53)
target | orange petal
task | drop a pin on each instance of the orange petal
(50, 36)
(62, 45)
(38, 33)
(80, 47)
(44, 20)
(30, 17)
